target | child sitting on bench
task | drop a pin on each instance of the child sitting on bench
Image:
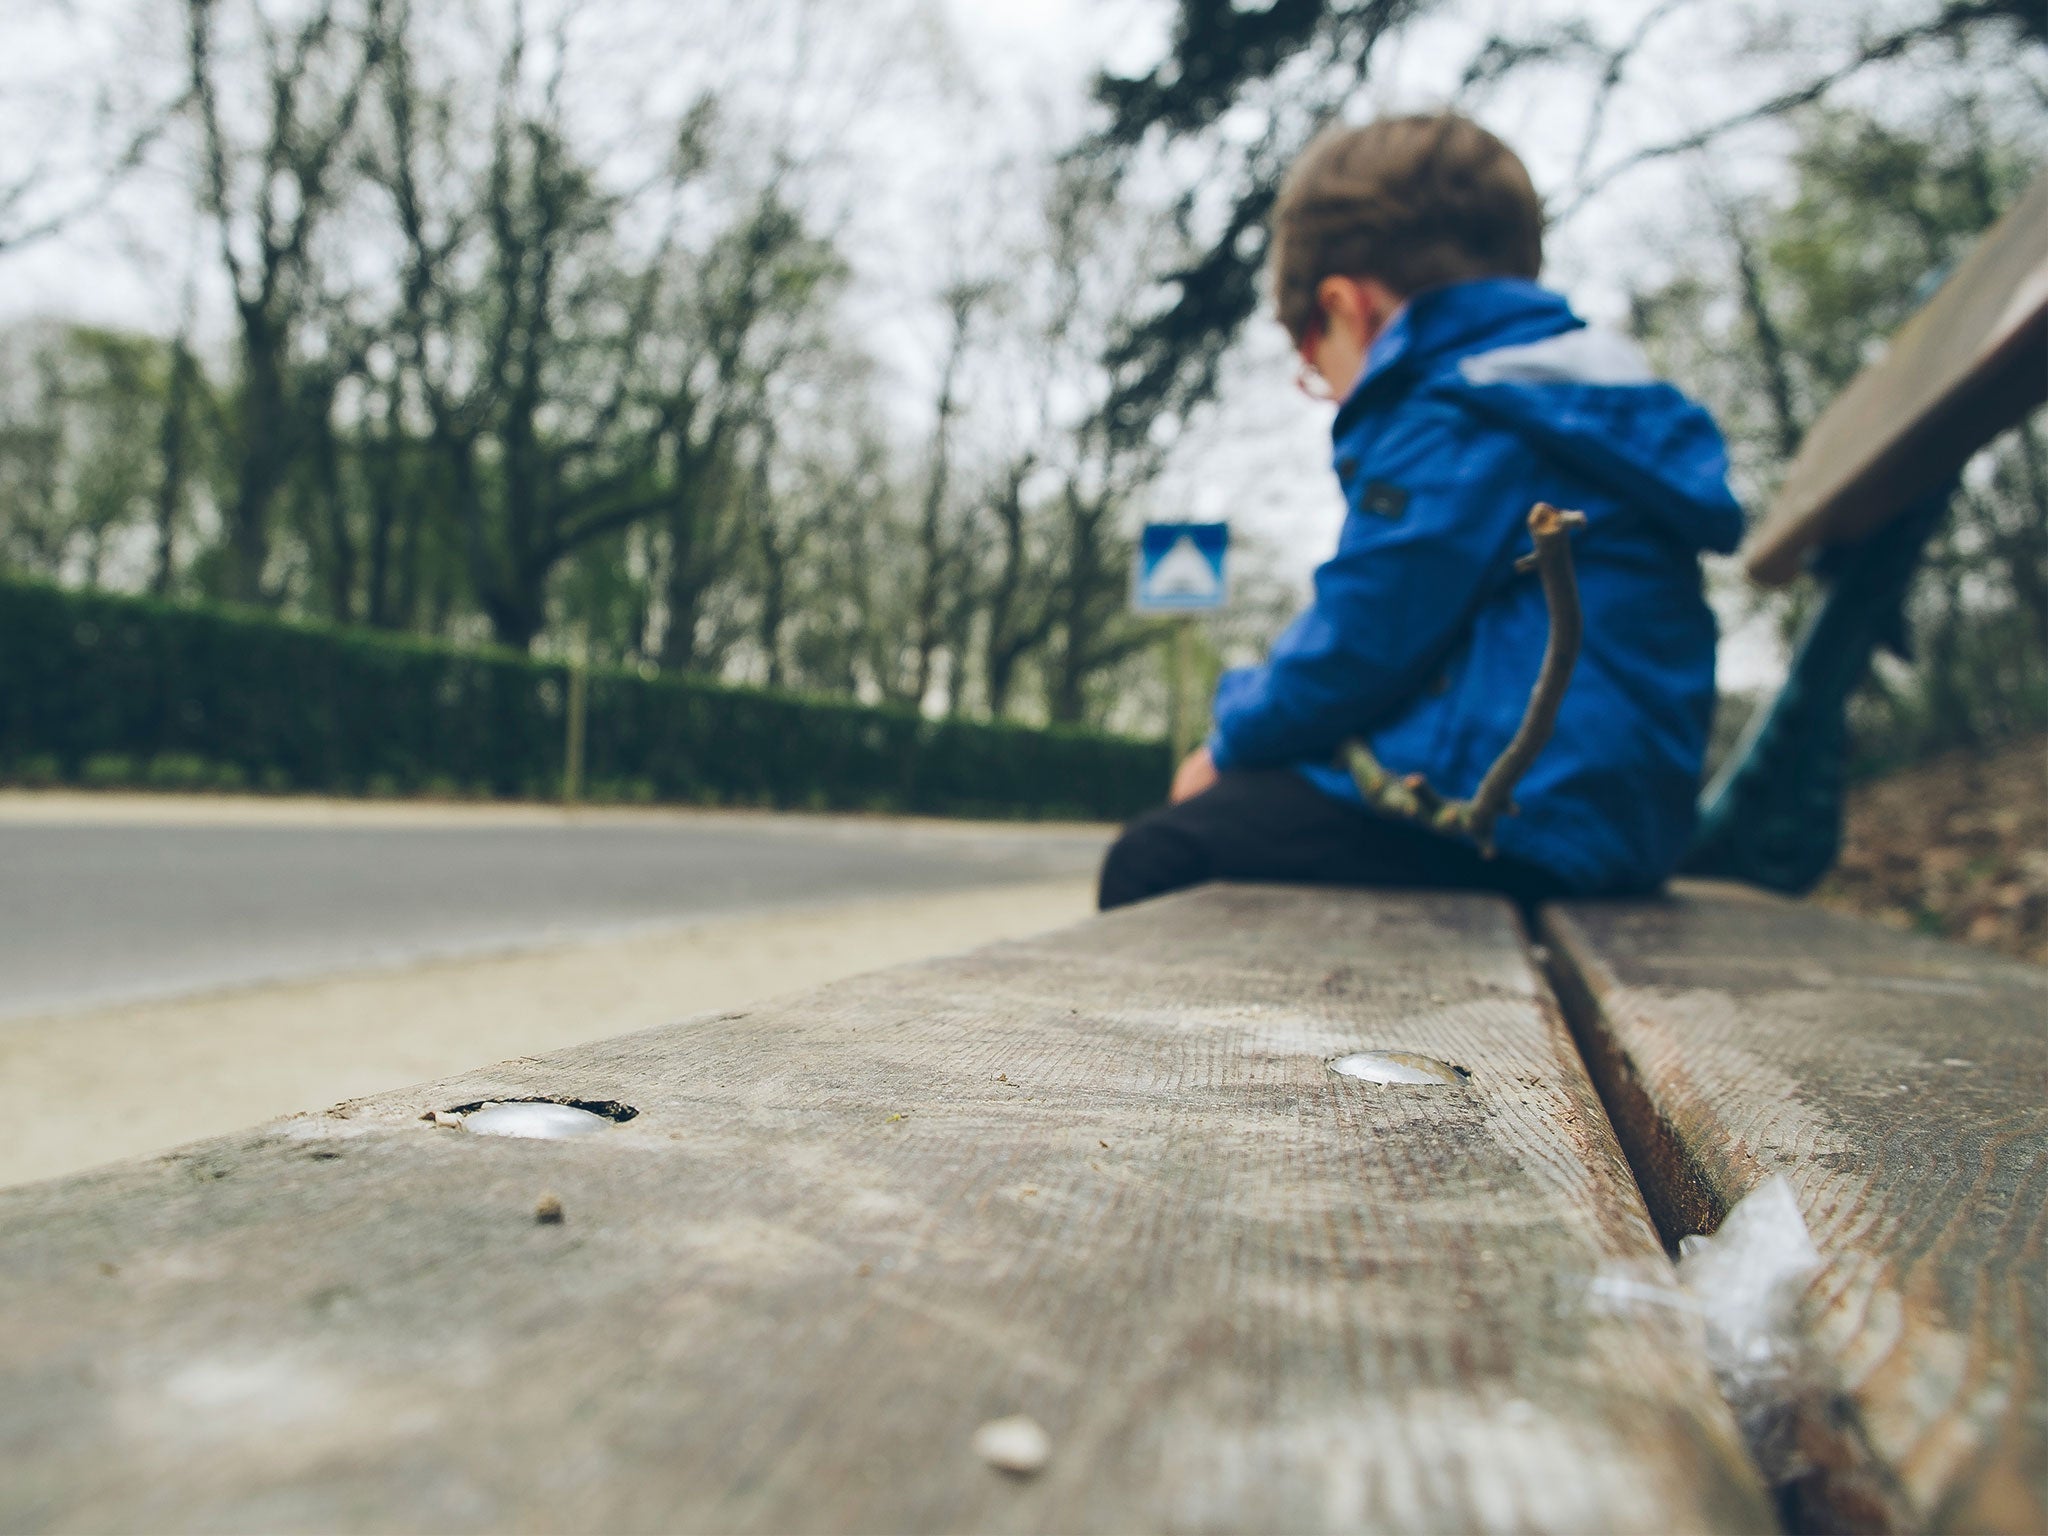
(1405, 256)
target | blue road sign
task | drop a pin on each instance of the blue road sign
(1180, 567)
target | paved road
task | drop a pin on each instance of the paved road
(94, 913)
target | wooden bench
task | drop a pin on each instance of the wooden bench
(1900, 1085)
(1107, 1179)
(1871, 481)
(1125, 1180)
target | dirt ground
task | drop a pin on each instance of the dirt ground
(1957, 847)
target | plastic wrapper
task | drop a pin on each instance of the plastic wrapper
(1748, 1281)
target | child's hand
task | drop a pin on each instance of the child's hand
(1194, 775)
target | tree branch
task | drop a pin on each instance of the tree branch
(1955, 16)
(1610, 81)
(1410, 796)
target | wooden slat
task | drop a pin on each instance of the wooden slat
(1970, 364)
(1104, 1178)
(1901, 1086)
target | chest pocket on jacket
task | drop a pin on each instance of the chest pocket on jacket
(1383, 498)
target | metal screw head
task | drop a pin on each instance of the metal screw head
(551, 1122)
(1404, 1068)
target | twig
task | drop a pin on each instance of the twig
(1952, 19)
(1410, 796)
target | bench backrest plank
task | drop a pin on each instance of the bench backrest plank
(1105, 1178)
(1968, 365)
(1901, 1087)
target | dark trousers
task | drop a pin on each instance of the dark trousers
(1275, 825)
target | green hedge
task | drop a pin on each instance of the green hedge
(98, 688)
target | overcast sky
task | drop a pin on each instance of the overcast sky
(1011, 84)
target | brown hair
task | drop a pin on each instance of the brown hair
(1413, 201)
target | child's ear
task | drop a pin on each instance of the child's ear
(1344, 301)
(1360, 307)
(1365, 304)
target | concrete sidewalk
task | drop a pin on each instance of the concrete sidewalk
(140, 808)
(81, 1089)
(111, 900)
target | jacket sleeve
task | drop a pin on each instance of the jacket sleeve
(1434, 520)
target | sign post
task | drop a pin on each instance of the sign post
(1181, 570)
(574, 720)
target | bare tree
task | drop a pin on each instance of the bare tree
(749, 310)
(184, 386)
(77, 129)
(937, 565)
(1947, 22)
(267, 196)
(524, 329)
(1019, 618)
(1098, 255)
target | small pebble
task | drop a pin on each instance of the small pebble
(548, 1211)
(1016, 1444)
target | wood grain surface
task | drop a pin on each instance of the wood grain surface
(1901, 1086)
(1970, 364)
(1104, 1178)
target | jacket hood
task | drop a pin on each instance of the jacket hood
(1514, 352)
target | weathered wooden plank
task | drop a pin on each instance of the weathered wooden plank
(1105, 1179)
(1970, 364)
(1901, 1087)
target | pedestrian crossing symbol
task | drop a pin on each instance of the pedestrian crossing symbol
(1180, 567)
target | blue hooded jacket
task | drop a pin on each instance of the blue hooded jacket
(1477, 401)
